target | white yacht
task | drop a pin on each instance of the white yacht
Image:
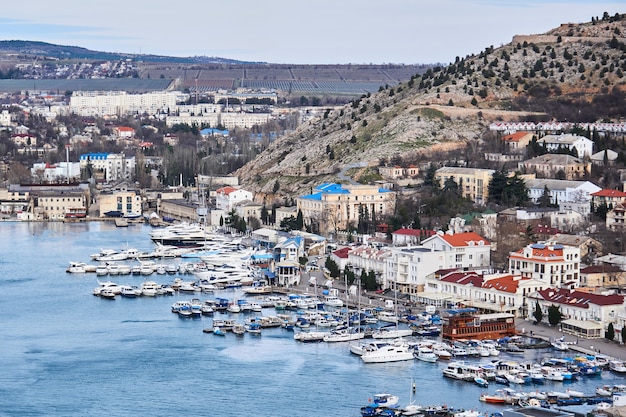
(333, 301)
(115, 288)
(388, 353)
(149, 288)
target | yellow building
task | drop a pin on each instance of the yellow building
(125, 202)
(333, 207)
(473, 182)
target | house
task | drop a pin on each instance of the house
(283, 213)
(554, 143)
(124, 201)
(409, 237)
(605, 157)
(397, 172)
(563, 191)
(473, 183)
(588, 246)
(616, 218)
(554, 264)
(170, 139)
(567, 167)
(365, 259)
(463, 250)
(490, 293)
(124, 132)
(249, 210)
(583, 314)
(226, 198)
(608, 197)
(518, 141)
(602, 276)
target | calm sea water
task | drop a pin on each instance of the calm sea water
(65, 352)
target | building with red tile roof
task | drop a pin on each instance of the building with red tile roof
(554, 264)
(517, 141)
(583, 313)
(489, 293)
(608, 197)
(405, 237)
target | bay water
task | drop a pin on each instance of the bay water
(65, 352)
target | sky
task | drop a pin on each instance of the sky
(292, 31)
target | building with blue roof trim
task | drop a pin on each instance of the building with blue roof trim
(335, 207)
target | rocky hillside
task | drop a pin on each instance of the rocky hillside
(562, 74)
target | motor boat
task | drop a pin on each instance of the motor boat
(388, 353)
(426, 354)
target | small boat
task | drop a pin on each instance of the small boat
(617, 366)
(239, 329)
(253, 328)
(107, 293)
(493, 398)
(130, 291)
(426, 354)
(385, 400)
(309, 337)
(560, 344)
(481, 382)
(499, 379)
(218, 332)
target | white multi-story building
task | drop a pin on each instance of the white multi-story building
(408, 267)
(583, 146)
(59, 172)
(110, 103)
(554, 264)
(115, 166)
(562, 191)
(494, 293)
(463, 250)
(364, 259)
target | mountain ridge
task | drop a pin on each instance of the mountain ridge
(49, 50)
(573, 72)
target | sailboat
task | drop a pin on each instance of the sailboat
(345, 334)
(391, 331)
(412, 409)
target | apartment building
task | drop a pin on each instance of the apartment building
(473, 183)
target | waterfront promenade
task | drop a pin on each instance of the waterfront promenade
(587, 346)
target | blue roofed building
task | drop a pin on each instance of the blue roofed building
(334, 207)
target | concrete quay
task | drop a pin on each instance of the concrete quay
(602, 346)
